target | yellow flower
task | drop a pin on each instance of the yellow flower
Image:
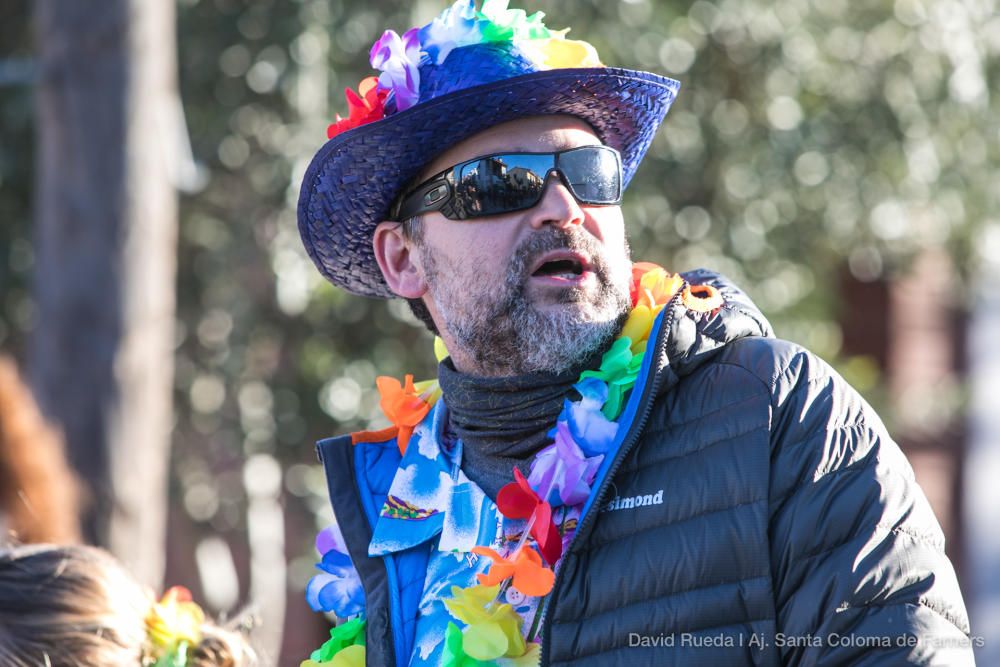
(637, 327)
(487, 621)
(440, 351)
(532, 656)
(557, 52)
(656, 287)
(175, 619)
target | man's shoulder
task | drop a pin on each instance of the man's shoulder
(777, 364)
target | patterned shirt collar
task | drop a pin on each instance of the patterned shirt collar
(430, 495)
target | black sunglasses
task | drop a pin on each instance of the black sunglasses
(509, 182)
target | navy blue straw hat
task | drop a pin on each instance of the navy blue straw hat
(455, 90)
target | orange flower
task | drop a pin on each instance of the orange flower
(653, 286)
(402, 404)
(530, 576)
(363, 107)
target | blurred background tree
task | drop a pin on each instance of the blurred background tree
(816, 144)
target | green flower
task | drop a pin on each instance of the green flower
(504, 25)
(619, 369)
(454, 654)
(346, 634)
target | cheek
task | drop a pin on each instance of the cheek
(477, 248)
(607, 225)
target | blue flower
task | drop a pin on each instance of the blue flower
(337, 588)
(454, 27)
(588, 425)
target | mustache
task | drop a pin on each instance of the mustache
(553, 238)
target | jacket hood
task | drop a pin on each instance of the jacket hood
(694, 338)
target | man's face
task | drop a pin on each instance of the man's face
(532, 291)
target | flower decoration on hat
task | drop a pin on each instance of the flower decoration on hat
(363, 106)
(399, 59)
(173, 627)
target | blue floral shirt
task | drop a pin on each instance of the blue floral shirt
(431, 499)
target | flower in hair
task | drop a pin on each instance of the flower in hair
(398, 59)
(173, 625)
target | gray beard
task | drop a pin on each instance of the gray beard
(501, 333)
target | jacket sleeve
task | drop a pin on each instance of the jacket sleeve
(858, 562)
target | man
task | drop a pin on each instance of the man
(625, 466)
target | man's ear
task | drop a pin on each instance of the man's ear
(398, 260)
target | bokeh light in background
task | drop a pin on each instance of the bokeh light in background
(809, 136)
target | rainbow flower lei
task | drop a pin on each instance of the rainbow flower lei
(561, 474)
(399, 58)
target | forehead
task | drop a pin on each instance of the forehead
(527, 135)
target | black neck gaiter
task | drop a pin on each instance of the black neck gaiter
(504, 421)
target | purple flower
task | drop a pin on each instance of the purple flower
(338, 587)
(330, 538)
(398, 59)
(561, 473)
(588, 426)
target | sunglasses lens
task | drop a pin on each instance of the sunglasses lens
(505, 183)
(594, 174)
(501, 183)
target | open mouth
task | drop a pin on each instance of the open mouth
(562, 266)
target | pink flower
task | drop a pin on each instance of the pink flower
(398, 59)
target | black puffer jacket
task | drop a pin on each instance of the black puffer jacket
(791, 531)
(758, 513)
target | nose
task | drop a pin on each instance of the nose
(557, 206)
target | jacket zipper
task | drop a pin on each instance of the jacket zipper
(638, 424)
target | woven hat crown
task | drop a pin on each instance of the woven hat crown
(474, 65)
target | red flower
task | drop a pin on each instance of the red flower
(363, 108)
(517, 500)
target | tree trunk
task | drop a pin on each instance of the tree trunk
(106, 228)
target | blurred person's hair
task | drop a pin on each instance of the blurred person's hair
(76, 606)
(39, 495)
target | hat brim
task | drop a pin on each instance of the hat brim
(353, 179)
